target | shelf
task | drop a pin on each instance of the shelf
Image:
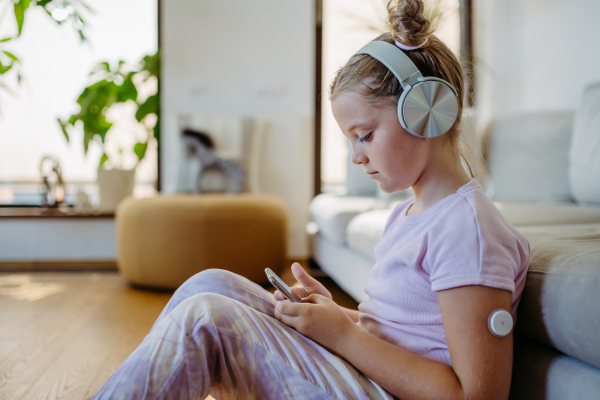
(42, 212)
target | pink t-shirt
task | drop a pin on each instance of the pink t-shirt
(462, 240)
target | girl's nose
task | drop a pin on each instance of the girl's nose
(358, 157)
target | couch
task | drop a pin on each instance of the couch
(543, 173)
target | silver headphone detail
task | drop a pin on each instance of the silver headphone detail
(428, 106)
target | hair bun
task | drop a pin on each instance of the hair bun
(407, 22)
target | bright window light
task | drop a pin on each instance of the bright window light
(56, 66)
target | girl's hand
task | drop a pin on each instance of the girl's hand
(310, 285)
(318, 318)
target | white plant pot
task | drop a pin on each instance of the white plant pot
(114, 185)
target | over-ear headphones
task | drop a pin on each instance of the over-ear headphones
(428, 106)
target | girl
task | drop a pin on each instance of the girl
(446, 260)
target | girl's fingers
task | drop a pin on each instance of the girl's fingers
(299, 292)
(302, 277)
(279, 296)
(289, 308)
(311, 285)
(286, 319)
(316, 299)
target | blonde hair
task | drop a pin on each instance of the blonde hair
(407, 24)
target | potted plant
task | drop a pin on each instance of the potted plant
(112, 86)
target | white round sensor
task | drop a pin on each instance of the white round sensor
(500, 322)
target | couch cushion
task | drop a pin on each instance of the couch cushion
(540, 372)
(527, 157)
(521, 214)
(332, 213)
(560, 301)
(365, 231)
(350, 270)
(584, 171)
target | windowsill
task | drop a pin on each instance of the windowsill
(43, 212)
(24, 194)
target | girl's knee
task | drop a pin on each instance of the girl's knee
(206, 305)
(192, 315)
(211, 276)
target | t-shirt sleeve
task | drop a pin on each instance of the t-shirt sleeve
(470, 248)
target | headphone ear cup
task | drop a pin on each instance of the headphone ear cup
(400, 112)
(429, 108)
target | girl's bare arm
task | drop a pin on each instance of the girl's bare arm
(481, 363)
(353, 314)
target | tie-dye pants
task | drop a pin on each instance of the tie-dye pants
(217, 335)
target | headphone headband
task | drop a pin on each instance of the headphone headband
(394, 59)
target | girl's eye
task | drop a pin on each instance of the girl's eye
(365, 138)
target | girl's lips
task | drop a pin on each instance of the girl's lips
(374, 174)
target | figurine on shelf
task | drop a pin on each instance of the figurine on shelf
(216, 174)
(82, 204)
(53, 187)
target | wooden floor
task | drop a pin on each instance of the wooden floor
(63, 334)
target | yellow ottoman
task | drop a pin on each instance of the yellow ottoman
(164, 240)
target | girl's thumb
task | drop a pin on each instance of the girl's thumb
(301, 275)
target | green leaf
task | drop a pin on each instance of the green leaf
(20, 8)
(11, 55)
(63, 127)
(43, 3)
(101, 67)
(150, 106)
(80, 18)
(19, 16)
(97, 98)
(4, 69)
(140, 150)
(152, 64)
(156, 131)
(127, 91)
(103, 159)
(5, 39)
(87, 138)
(87, 7)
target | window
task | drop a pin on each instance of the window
(56, 67)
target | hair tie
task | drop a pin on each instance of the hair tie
(406, 47)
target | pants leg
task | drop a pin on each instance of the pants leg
(218, 334)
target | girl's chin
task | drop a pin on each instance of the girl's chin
(389, 190)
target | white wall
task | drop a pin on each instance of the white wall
(534, 55)
(57, 239)
(251, 59)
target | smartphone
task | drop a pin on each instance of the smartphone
(280, 285)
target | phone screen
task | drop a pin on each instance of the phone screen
(280, 285)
